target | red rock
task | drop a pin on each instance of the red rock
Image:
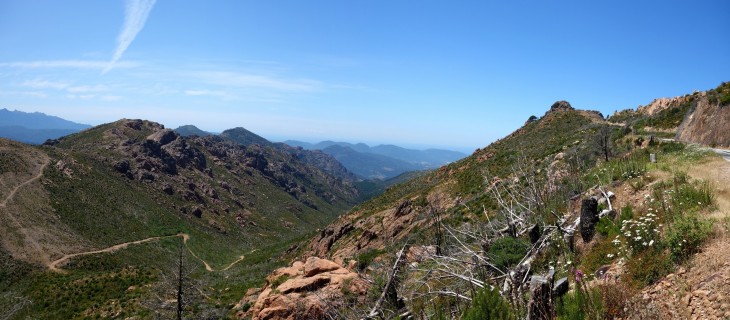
(313, 287)
(316, 265)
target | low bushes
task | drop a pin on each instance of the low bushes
(686, 234)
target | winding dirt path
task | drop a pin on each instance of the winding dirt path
(54, 265)
(36, 177)
(27, 237)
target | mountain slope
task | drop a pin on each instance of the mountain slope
(455, 187)
(568, 199)
(315, 158)
(133, 180)
(244, 137)
(191, 130)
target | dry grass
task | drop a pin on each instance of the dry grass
(717, 172)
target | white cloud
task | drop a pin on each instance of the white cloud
(76, 64)
(135, 16)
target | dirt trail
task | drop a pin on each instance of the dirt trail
(186, 237)
(27, 237)
(54, 265)
(36, 177)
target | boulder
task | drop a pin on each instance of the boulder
(315, 266)
(306, 290)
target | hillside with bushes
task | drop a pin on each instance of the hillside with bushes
(565, 218)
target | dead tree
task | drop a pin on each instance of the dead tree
(389, 291)
(604, 141)
(522, 210)
(176, 289)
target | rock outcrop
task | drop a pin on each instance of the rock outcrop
(306, 290)
(561, 105)
(708, 123)
(660, 104)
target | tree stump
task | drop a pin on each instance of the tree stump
(588, 218)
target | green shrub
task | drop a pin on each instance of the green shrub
(507, 251)
(278, 281)
(686, 234)
(669, 147)
(579, 304)
(648, 266)
(688, 197)
(602, 253)
(488, 304)
(365, 258)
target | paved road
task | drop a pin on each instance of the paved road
(723, 153)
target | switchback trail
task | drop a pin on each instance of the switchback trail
(54, 265)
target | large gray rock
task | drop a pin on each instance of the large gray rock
(162, 137)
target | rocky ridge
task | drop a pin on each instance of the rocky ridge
(213, 179)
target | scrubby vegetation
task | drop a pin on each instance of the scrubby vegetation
(504, 195)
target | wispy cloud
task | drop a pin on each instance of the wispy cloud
(110, 98)
(36, 94)
(77, 64)
(135, 16)
(243, 80)
(83, 89)
(210, 93)
(44, 84)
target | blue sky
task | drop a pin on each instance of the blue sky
(456, 74)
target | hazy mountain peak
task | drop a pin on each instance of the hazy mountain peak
(35, 127)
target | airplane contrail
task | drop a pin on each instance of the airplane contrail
(135, 15)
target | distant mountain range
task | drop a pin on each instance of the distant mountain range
(36, 127)
(381, 161)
